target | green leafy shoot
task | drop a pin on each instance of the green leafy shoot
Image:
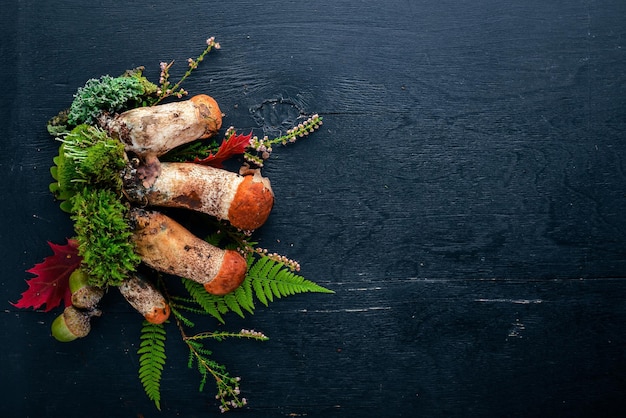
(228, 391)
(201, 302)
(266, 280)
(271, 279)
(104, 236)
(222, 335)
(62, 188)
(151, 360)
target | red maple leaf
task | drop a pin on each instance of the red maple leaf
(51, 284)
(233, 145)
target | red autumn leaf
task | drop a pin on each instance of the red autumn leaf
(51, 284)
(233, 145)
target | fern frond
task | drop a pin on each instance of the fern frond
(241, 299)
(192, 309)
(214, 239)
(232, 304)
(271, 279)
(266, 280)
(245, 296)
(213, 305)
(182, 318)
(151, 360)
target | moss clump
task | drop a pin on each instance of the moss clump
(88, 157)
(88, 180)
(104, 237)
(105, 94)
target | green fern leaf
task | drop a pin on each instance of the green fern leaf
(271, 279)
(151, 360)
(266, 279)
(232, 304)
(183, 319)
(213, 305)
(261, 268)
(214, 239)
(245, 295)
(241, 299)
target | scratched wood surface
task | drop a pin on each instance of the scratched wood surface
(465, 199)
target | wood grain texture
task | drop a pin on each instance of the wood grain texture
(464, 198)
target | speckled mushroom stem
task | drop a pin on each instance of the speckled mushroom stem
(158, 129)
(166, 246)
(149, 132)
(245, 201)
(145, 298)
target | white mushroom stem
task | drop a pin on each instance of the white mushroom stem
(245, 201)
(146, 299)
(153, 131)
(167, 246)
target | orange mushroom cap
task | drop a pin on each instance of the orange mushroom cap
(230, 276)
(208, 112)
(252, 203)
(158, 314)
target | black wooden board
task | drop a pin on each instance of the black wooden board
(464, 198)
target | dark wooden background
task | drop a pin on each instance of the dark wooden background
(465, 199)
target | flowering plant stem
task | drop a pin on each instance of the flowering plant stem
(228, 392)
(165, 89)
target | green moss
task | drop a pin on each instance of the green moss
(97, 159)
(109, 94)
(104, 237)
(87, 173)
(88, 157)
